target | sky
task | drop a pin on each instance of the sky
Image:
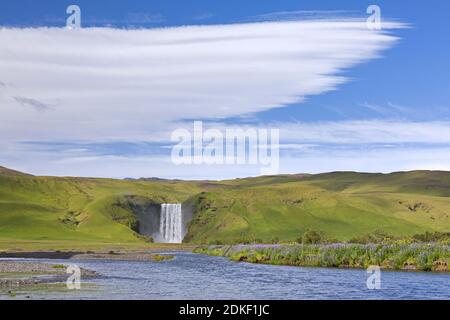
(104, 100)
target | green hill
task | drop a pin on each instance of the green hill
(76, 210)
(81, 211)
(341, 204)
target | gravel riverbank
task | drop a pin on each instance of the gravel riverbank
(17, 274)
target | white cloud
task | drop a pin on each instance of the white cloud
(370, 160)
(372, 146)
(367, 132)
(309, 134)
(98, 85)
(314, 161)
(129, 85)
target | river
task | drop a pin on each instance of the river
(195, 276)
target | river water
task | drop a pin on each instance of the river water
(194, 276)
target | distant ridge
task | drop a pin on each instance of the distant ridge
(12, 172)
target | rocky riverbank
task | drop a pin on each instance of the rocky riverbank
(18, 274)
(15, 274)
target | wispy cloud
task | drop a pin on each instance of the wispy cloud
(312, 159)
(305, 15)
(388, 110)
(37, 105)
(144, 18)
(128, 20)
(369, 131)
(203, 16)
(351, 132)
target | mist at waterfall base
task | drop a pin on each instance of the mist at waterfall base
(165, 223)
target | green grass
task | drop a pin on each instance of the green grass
(76, 211)
(420, 257)
(159, 257)
(54, 213)
(342, 205)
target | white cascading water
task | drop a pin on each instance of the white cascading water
(170, 227)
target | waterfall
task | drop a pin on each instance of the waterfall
(171, 225)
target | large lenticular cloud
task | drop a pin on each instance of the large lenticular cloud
(110, 84)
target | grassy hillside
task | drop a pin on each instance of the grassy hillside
(84, 211)
(76, 210)
(342, 205)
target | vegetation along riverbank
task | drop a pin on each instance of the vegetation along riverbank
(396, 256)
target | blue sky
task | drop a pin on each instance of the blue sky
(398, 91)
